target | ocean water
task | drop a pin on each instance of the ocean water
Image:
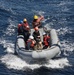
(58, 14)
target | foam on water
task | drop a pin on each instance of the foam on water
(9, 46)
(63, 3)
(60, 63)
(38, 12)
(11, 28)
(67, 47)
(15, 62)
(6, 7)
(4, 40)
(63, 31)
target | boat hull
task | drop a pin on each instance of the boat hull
(44, 54)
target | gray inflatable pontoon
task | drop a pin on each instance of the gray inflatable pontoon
(46, 54)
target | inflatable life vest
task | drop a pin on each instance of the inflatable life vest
(31, 43)
(46, 40)
(20, 29)
(26, 26)
(19, 25)
(35, 23)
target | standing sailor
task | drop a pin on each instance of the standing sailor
(36, 35)
(37, 21)
(26, 29)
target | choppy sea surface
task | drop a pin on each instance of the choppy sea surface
(58, 14)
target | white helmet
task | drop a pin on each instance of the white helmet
(44, 33)
(31, 37)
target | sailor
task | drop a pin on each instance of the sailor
(26, 29)
(46, 40)
(20, 28)
(36, 35)
(30, 43)
(37, 21)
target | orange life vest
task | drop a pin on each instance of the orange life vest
(46, 40)
(35, 23)
(19, 25)
(32, 42)
(26, 26)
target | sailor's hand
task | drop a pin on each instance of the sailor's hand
(42, 17)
